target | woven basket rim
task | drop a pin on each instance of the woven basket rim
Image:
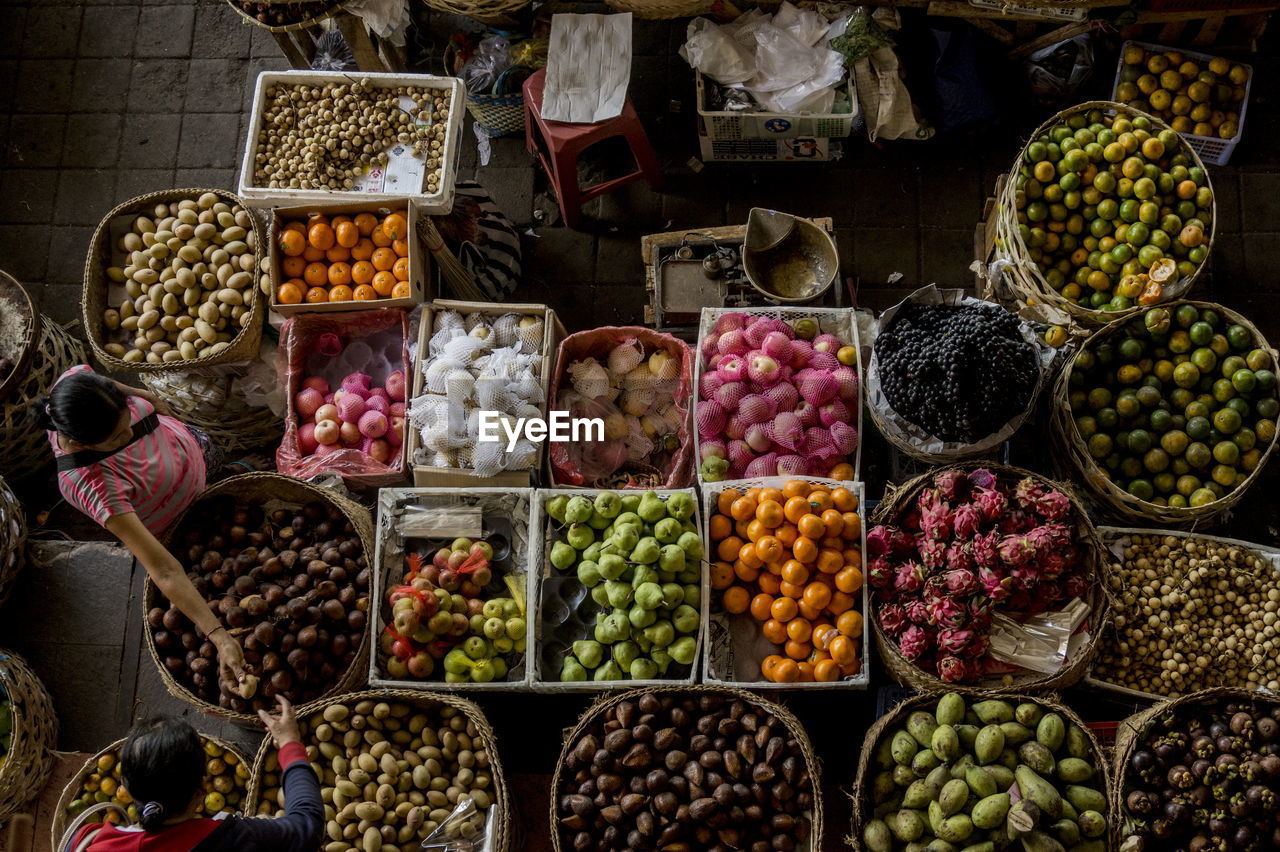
(329, 12)
(33, 736)
(233, 486)
(860, 795)
(13, 519)
(242, 347)
(31, 336)
(479, 9)
(1024, 276)
(425, 700)
(1107, 494)
(59, 819)
(896, 500)
(602, 704)
(28, 450)
(661, 9)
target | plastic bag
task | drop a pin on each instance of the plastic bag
(1056, 73)
(886, 103)
(712, 50)
(491, 58)
(808, 27)
(374, 342)
(465, 829)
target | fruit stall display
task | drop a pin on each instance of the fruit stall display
(989, 771)
(776, 394)
(788, 600)
(960, 557)
(452, 583)
(283, 565)
(344, 258)
(473, 357)
(619, 588)
(1106, 209)
(638, 381)
(1169, 416)
(397, 767)
(169, 282)
(693, 768)
(28, 734)
(1200, 773)
(1189, 612)
(952, 376)
(223, 790)
(1202, 97)
(346, 381)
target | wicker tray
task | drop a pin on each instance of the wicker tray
(314, 20)
(1023, 274)
(500, 830)
(661, 10)
(258, 488)
(13, 539)
(26, 347)
(480, 10)
(243, 347)
(35, 735)
(908, 674)
(1111, 497)
(596, 710)
(27, 449)
(213, 404)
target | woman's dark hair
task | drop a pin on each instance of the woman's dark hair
(163, 766)
(84, 407)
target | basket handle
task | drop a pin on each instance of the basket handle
(64, 844)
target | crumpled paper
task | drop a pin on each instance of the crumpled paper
(1043, 642)
(588, 68)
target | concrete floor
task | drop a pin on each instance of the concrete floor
(106, 100)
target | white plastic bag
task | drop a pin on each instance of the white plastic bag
(713, 51)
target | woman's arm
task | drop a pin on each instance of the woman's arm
(158, 404)
(166, 572)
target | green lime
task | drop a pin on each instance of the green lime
(1197, 408)
(1148, 255)
(1180, 467)
(1105, 182)
(1246, 439)
(1161, 420)
(1198, 455)
(1239, 406)
(1258, 359)
(1100, 398)
(1201, 333)
(1224, 475)
(1181, 397)
(1204, 359)
(1232, 363)
(1226, 452)
(1036, 152)
(1131, 467)
(1179, 342)
(1239, 337)
(1187, 315)
(1268, 408)
(1164, 482)
(1219, 345)
(1186, 375)
(1148, 395)
(1244, 381)
(1177, 501)
(1100, 445)
(1141, 489)
(1086, 426)
(1105, 353)
(1226, 420)
(1266, 431)
(1187, 484)
(1127, 405)
(1202, 497)
(1140, 440)
(1174, 442)
(1198, 427)
(1266, 380)
(1156, 459)
(1108, 418)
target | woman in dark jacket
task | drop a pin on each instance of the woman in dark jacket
(163, 765)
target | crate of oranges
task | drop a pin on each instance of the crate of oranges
(787, 600)
(345, 258)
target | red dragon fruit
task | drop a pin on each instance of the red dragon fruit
(1050, 538)
(965, 521)
(995, 585)
(909, 577)
(1016, 550)
(958, 558)
(914, 642)
(1021, 601)
(982, 478)
(1046, 502)
(952, 669)
(980, 615)
(880, 572)
(951, 484)
(933, 553)
(1076, 586)
(917, 612)
(936, 521)
(985, 550)
(991, 502)
(953, 640)
(960, 581)
(1017, 521)
(948, 612)
(878, 540)
(977, 649)
(893, 619)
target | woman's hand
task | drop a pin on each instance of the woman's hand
(231, 668)
(159, 405)
(283, 728)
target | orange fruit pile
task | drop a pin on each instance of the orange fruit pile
(791, 557)
(344, 258)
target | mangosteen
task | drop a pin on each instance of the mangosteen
(281, 680)
(334, 610)
(1180, 778)
(356, 620)
(1142, 761)
(1203, 747)
(1267, 728)
(1167, 752)
(1140, 803)
(237, 617)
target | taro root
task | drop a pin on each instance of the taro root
(299, 617)
(672, 772)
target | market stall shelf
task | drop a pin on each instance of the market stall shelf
(29, 735)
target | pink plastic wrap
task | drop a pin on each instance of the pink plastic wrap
(589, 466)
(385, 334)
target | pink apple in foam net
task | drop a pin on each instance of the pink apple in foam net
(327, 431)
(827, 343)
(349, 432)
(708, 346)
(714, 361)
(378, 403)
(316, 383)
(801, 351)
(397, 409)
(395, 431)
(396, 385)
(307, 402)
(712, 447)
(328, 411)
(763, 369)
(732, 368)
(328, 399)
(756, 331)
(731, 321)
(777, 345)
(377, 449)
(373, 424)
(350, 407)
(732, 343)
(328, 449)
(792, 465)
(757, 437)
(357, 380)
(307, 442)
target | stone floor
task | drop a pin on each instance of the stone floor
(105, 100)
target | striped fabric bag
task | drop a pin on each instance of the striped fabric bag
(483, 239)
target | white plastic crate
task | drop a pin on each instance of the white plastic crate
(770, 136)
(440, 201)
(799, 149)
(1214, 151)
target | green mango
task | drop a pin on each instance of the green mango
(945, 743)
(904, 748)
(1066, 831)
(968, 735)
(919, 794)
(1073, 770)
(1092, 823)
(925, 762)
(993, 711)
(1085, 798)
(953, 796)
(1051, 731)
(1038, 841)
(950, 709)
(1042, 793)
(955, 829)
(1015, 734)
(877, 837)
(1077, 742)
(990, 811)
(921, 726)
(988, 744)
(1038, 757)
(980, 782)
(1028, 714)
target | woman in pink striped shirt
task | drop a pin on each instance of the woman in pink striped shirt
(123, 461)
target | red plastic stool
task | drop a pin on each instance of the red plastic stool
(558, 145)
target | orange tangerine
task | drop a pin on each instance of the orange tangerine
(396, 226)
(797, 650)
(340, 273)
(290, 292)
(363, 250)
(850, 525)
(844, 499)
(736, 599)
(811, 526)
(792, 590)
(769, 583)
(719, 527)
(805, 549)
(833, 521)
(365, 293)
(402, 290)
(383, 259)
(400, 247)
(300, 227)
(743, 509)
(760, 607)
(842, 472)
(384, 282)
(753, 493)
(292, 243)
(774, 494)
(795, 488)
(380, 237)
(849, 623)
(786, 671)
(843, 650)
(346, 234)
(320, 235)
(721, 575)
(849, 580)
(819, 501)
(362, 272)
(775, 631)
(769, 549)
(750, 556)
(316, 295)
(341, 293)
(365, 223)
(742, 529)
(799, 630)
(311, 254)
(316, 274)
(746, 573)
(807, 612)
(783, 609)
(795, 572)
(401, 269)
(728, 548)
(817, 595)
(795, 508)
(756, 530)
(787, 534)
(830, 561)
(293, 266)
(841, 602)
(337, 254)
(826, 671)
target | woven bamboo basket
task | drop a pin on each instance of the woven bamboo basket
(35, 735)
(591, 718)
(27, 449)
(70, 792)
(1023, 274)
(14, 297)
(862, 804)
(896, 500)
(1111, 497)
(499, 827)
(480, 10)
(259, 488)
(1132, 730)
(324, 14)
(243, 347)
(213, 404)
(13, 539)
(661, 10)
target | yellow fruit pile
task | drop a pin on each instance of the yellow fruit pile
(1191, 95)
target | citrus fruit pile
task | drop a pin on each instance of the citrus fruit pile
(344, 258)
(1113, 210)
(1178, 407)
(791, 557)
(225, 785)
(1196, 96)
